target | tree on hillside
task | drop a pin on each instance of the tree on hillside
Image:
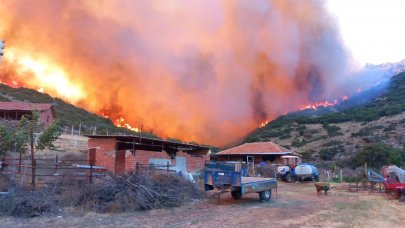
(378, 154)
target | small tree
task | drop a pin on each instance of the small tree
(30, 128)
(5, 140)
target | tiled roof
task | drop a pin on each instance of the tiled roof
(24, 106)
(256, 148)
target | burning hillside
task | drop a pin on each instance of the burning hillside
(207, 71)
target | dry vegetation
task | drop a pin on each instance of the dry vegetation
(294, 205)
(109, 194)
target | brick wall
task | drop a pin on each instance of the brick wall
(106, 155)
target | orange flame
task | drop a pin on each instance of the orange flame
(120, 122)
(264, 123)
(317, 105)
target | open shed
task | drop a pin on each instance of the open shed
(254, 153)
(120, 153)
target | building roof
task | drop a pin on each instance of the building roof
(24, 106)
(127, 142)
(263, 148)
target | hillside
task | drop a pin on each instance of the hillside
(67, 114)
(339, 132)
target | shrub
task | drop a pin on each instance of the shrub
(332, 130)
(298, 143)
(362, 132)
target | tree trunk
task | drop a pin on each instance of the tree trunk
(32, 153)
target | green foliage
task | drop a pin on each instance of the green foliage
(285, 136)
(362, 132)
(390, 127)
(329, 153)
(12, 139)
(48, 137)
(333, 143)
(6, 140)
(332, 130)
(298, 143)
(396, 157)
(378, 154)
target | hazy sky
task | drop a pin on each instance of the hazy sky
(374, 30)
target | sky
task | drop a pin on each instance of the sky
(373, 30)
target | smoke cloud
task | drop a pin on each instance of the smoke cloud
(207, 71)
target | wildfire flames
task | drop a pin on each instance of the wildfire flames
(120, 122)
(206, 71)
(316, 105)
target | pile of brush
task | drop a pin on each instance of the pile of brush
(111, 194)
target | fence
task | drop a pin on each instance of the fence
(43, 171)
(147, 168)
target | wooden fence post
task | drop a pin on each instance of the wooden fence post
(19, 163)
(91, 172)
(34, 166)
(56, 164)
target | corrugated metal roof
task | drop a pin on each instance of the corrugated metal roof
(24, 106)
(256, 148)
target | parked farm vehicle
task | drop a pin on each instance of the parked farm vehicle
(286, 171)
(305, 171)
(228, 177)
(395, 182)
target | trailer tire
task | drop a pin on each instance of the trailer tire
(393, 194)
(265, 196)
(236, 194)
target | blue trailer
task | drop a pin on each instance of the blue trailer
(232, 177)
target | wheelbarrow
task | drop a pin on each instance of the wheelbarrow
(322, 186)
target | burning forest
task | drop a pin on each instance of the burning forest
(204, 71)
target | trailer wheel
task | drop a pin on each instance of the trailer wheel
(393, 193)
(236, 194)
(265, 196)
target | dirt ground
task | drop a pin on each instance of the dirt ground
(294, 205)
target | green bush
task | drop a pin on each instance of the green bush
(332, 130)
(362, 132)
(329, 153)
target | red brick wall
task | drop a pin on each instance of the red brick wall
(105, 156)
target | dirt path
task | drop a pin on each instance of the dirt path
(295, 205)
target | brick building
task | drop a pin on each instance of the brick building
(255, 153)
(15, 110)
(119, 153)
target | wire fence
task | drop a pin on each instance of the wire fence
(43, 171)
(39, 172)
